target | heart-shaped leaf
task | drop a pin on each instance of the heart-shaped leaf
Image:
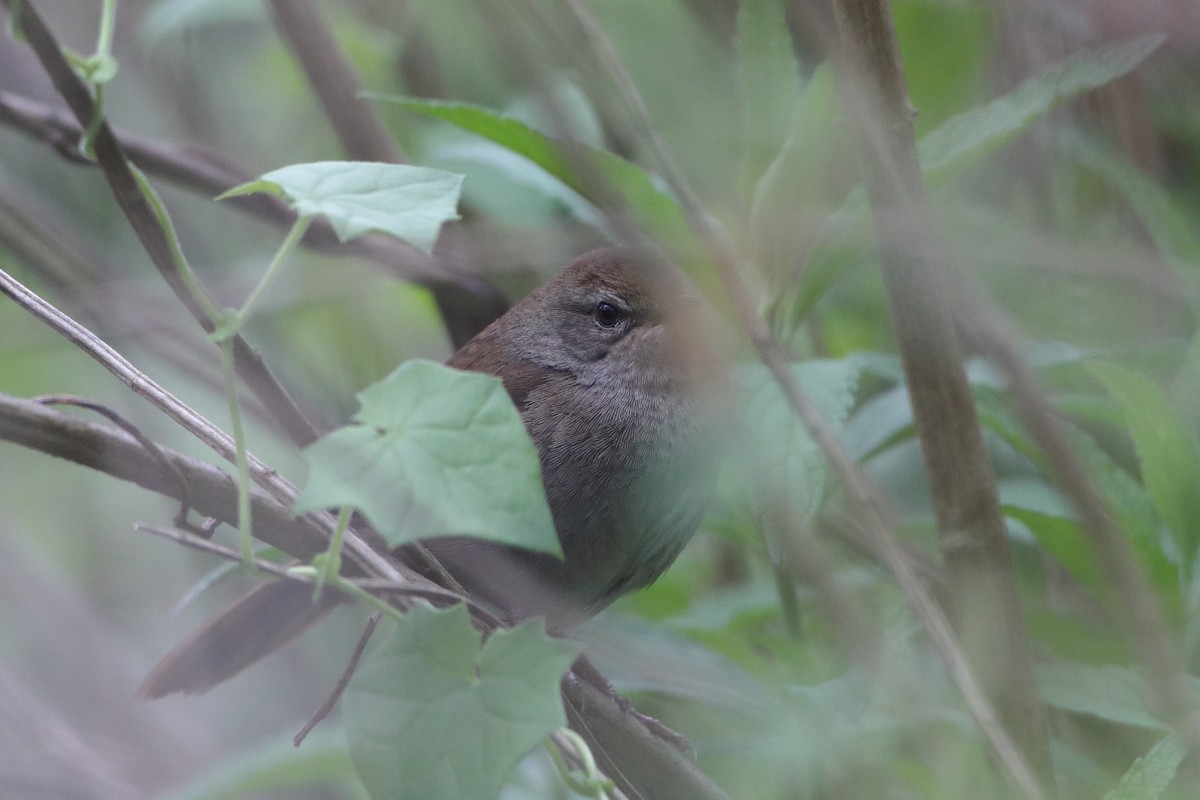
(435, 452)
(433, 715)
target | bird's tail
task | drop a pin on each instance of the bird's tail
(264, 620)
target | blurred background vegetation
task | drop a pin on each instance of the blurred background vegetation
(1085, 229)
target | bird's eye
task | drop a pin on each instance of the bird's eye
(607, 315)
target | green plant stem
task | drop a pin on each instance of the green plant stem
(14, 22)
(228, 324)
(785, 587)
(590, 783)
(331, 559)
(243, 469)
(336, 581)
(89, 67)
(190, 281)
(86, 147)
(285, 249)
(108, 18)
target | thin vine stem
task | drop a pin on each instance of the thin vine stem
(180, 262)
(234, 322)
(239, 439)
(331, 560)
(108, 19)
(591, 783)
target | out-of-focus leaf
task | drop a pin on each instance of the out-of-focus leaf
(407, 202)
(779, 454)
(1116, 694)
(435, 452)
(172, 17)
(1134, 510)
(648, 202)
(1040, 508)
(1151, 774)
(638, 655)
(770, 83)
(432, 714)
(881, 422)
(273, 767)
(969, 137)
(1130, 503)
(1172, 229)
(498, 177)
(1061, 538)
(1067, 636)
(1166, 449)
(945, 47)
(796, 203)
(506, 185)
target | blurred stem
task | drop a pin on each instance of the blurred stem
(789, 602)
(335, 82)
(331, 560)
(243, 470)
(971, 529)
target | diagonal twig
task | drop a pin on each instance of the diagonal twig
(271, 481)
(129, 197)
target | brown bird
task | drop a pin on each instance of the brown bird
(613, 368)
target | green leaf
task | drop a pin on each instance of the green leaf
(432, 715)
(643, 656)
(168, 18)
(273, 767)
(796, 196)
(1170, 226)
(1061, 538)
(1130, 504)
(1151, 774)
(879, 424)
(507, 186)
(435, 452)
(975, 134)
(357, 197)
(1116, 694)
(778, 452)
(770, 83)
(944, 56)
(646, 200)
(1166, 449)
